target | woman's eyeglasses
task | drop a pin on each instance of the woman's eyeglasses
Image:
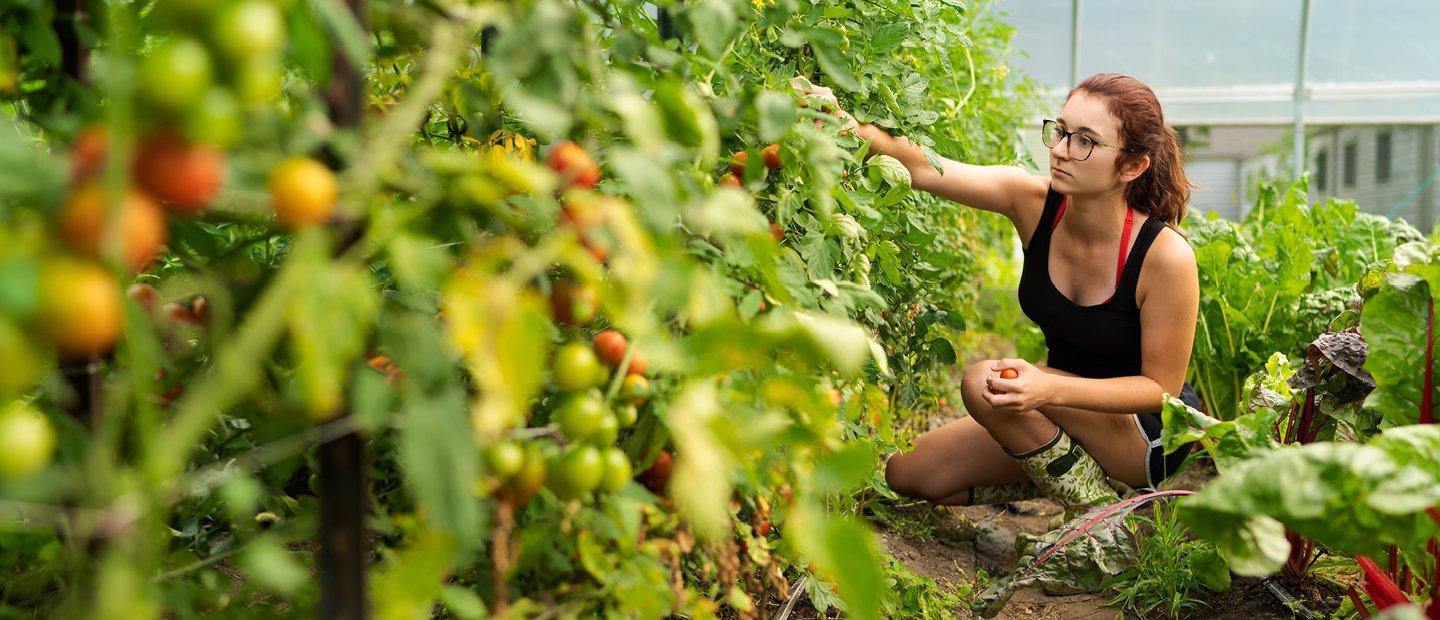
(1081, 145)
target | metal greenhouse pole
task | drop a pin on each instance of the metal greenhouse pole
(1075, 42)
(1302, 68)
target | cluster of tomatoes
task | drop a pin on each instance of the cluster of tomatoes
(214, 59)
(588, 422)
(770, 155)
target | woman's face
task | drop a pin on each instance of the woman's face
(1088, 116)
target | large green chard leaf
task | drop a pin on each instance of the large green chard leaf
(1398, 323)
(1355, 498)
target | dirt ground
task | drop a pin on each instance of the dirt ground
(972, 538)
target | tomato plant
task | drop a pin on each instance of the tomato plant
(531, 290)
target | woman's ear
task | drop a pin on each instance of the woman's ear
(1134, 168)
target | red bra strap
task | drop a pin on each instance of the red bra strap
(1124, 241)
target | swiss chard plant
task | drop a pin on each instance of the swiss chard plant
(1341, 455)
(1275, 279)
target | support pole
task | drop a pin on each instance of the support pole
(1302, 68)
(342, 460)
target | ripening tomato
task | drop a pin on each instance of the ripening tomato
(528, 480)
(504, 459)
(248, 29)
(80, 309)
(1009, 373)
(657, 475)
(610, 346)
(627, 415)
(772, 156)
(185, 176)
(638, 364)
(730, 180)
(581, 416)
(574, 165)
(87, 152)
(303, 192)
(573, 304)
(635, 388)
(737, 164)
(143, 229)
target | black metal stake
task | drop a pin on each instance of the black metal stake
(342, 460)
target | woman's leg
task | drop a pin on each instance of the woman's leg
(948, 461)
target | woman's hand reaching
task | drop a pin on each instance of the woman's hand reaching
(828, 102)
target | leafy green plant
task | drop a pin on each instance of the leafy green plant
(1276, 279)
(1342, 454)
(1173, 572)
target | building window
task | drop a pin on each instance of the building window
(1351, 158)
(1322, 169)
(1382, 157)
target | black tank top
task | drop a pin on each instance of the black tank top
(1098, 341)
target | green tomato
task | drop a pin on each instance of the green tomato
(216, 120)
(249, 29)
(176, 75)
(617, 470)
(26, 441)
(504, 459)
(578, 471)
(577, 368)
(530, 477)
(24, 363)
(581, 416)
(627, 415)
(257, 81)
(608, 431)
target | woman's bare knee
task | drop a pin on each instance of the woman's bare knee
(972, 386)
(906, 476)
(900, 475)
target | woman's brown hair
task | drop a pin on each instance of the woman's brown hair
(1163, 190)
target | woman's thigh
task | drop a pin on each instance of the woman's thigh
(1113, 440)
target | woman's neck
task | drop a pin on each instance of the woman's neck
(1095, 219)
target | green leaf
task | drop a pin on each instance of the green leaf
(826, 44)
(714, 24)
(1395, 323)
(700, 482)
(844, 342)
(1210, 568)
(463, 602)
(439, 460)
(309, 46)
(420, 263)
(330, 320)
(843, 551)
(344, 30)
(408, 584)
(268, 563)
(776, 113)
(844, 469)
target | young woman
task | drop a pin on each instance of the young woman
(1109, 281)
